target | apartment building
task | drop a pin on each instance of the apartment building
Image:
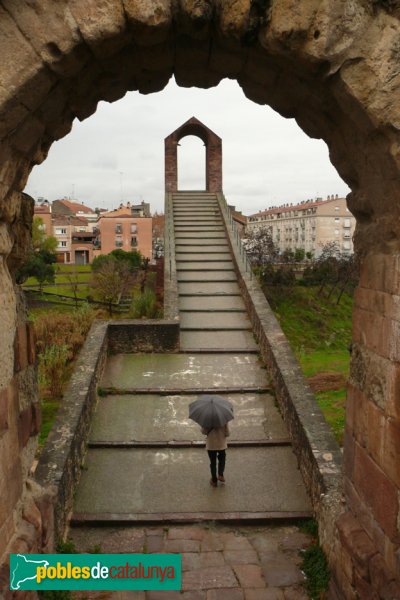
(308, 225)
(75, 240)
(119, 229)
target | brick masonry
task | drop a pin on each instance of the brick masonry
(213, 145)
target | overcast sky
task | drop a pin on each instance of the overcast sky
(118, 153)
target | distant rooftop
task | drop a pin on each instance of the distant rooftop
(300, 206)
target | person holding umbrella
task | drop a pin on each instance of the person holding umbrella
(212, 413)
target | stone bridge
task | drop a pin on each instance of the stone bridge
(333, 66)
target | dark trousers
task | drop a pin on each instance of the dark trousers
(213, 455)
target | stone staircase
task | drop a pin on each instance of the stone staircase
(146, 462)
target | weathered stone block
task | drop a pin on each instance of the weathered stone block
(31, 342)
(356, 541)
(28, 135)
(24, 426)
(364, 589)
(378, 573)
(15, 50)
(4, 401)
(357, 414)
(21, 348)
(11, 485)
(377, 333)
(101, 23)
(36, 418)
(51, 30)
(149, 20)
(377, 491)
(381, 272)
(7, 530)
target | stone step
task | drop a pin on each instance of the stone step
(145, 484)
(165, 418)
(211, 303)
(206, 276)
(208, 287)
(180, 229)
(183, 371)
(225, 341)
(206, 321)
(210, 248)
(204, 264)
(193, 223)
(192, 235)
(202, 257)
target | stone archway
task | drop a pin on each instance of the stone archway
(213, 145)
(333, 66)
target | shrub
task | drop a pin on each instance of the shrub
(144, 305)
(52, 363)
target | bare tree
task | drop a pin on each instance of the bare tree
(73, 282)
(260, 247)
(111, 280)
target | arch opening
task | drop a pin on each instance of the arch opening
(191, 164)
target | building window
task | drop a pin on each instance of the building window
(118, 243)
(336, 208)
(346, 245)
(347, 223)
(62, 244)
(133, 228)
(337, 219)
(60, 231)
(336, 231)
(118, 228)
(133, 241)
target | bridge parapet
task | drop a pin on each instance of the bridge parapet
(318, 453)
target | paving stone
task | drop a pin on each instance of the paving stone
(250, 576)
(179, 546)
(212, 542)
(200, 560)
(265, 542)
(209, 578)
(241, 557)
(229, 594)
(295, 540)
(165, 595)
(295, 593)
(280, 571)
(267, 594)
(235, 542)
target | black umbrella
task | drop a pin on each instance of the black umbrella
(211, 411)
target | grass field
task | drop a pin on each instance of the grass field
(319, 333)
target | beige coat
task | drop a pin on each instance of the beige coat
(216, 438)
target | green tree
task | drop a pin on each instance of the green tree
(41, 241)
(37, 266)
(134, 259)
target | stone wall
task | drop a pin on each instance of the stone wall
(61, 459)
(317, 451)
(333, 66)
(142, 335)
